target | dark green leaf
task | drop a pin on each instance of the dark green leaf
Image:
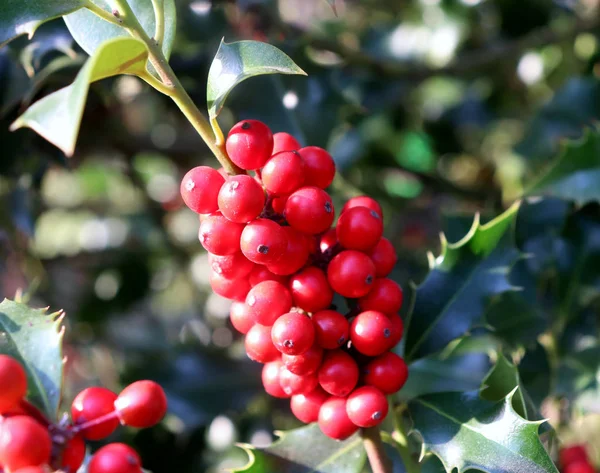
(306, 450)
(34, 338)
(460, 285)
(236, 62)
(57, 117)
(467, 432)
(90, 31)
(501, 381)
(576, 172)
(18, 17)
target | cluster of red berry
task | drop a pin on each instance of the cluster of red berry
(30, 443)
(574, 459)
(273, 252)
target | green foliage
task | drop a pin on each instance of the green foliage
(34, 338)
(306, 450)
(57, 117)
(236, 62)
(465, 432)
(18, 17)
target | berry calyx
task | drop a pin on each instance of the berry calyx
(334, 421)
(367, 406)
(293, 333)
(387, 372)
(249, 144)
(306, 406)
(141, 404)
(13, 381)
(351, 274)
(92, 404)
(23, 443)
(200, 189)
(338, 373)
(331, 329)
(115, 458)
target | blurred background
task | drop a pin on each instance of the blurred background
(439, 108)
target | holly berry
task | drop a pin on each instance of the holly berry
(367, 406)
(309, 210)
(351, 274)
(359, 228)
(310, 289)
(319, 168)
(241, 199)
(573, 454)
(579, 467)
(73, 455)
(385, 296)
(371, 333)
(387, 372)
(384, 257)
(283, 173)
(293, 333)
(363, 201)
(306, 363)
(240, 317)
(331, 329)
(328, 240)
(259, 345)
(23, 443)
(267, 301)
(31, 469)
(141, 404)
(263, 241)
(220, 236)
(306, 406)
(200, 189)
(334, 421)
(234, 266)
(294, 257)
(338, 374)
(271, 379)
(115, 458)
(235, 289)
(91, 404)
(284, 142)
(249, 144)
(261, 273)
(293, 384)
(13, 381)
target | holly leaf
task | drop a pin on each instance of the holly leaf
(57, 117)
(467, 432)
(306, 450)
(236, 62)
(18, 17)
(34, 338)
(90, 31)
(461, 285)
(575, 173)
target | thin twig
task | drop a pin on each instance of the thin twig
(378, 459)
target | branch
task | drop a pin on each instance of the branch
(378, 459)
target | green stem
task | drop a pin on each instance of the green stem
(159, 15)
(401, 440)
(91, 6)
(379, 461)
(172, 87)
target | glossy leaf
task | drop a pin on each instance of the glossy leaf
(90, 31)
(236, 62)
(18, 17)
(34, 338)
(467, 432)
(306, 450)
(57, 117)
(502, 379)
(575, 174)
(460, 285)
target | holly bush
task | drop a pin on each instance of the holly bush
(472, 127)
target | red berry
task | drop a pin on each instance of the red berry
(141, 404)
(32, 469)
(278, 203)
(310, 290)
(579, 467)
(241, 199)
(309, 210)
(306, 363)
(23, 442)
(572, 454)
(115, 458)
(293, 333)
(306, 406)
(338, 374)
(384, 257)
(233, 266)
(200, 189)
(73, 455)
(385, 296)
(367, 406)
(295, 256)
(397, 330)
(283, 173)
(260, 273)
(240, 317)
(363, 201)
(220, 236)
(249, 144)
(13, 381)
(331, 329)
(359, 228)
(293, 384)
(91, 404)
(387, 372)
(371, 332)
(334, 421)
(259, 345)
(263, 241)
(319, 166)
(284, 142)
(351, 274)
(328, 240)
(267, 301)
(234, 289)
(270, 378)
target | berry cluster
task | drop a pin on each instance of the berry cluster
(574, 459)
(273, 251)
(30, 443)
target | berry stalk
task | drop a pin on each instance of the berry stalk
(379, 461)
